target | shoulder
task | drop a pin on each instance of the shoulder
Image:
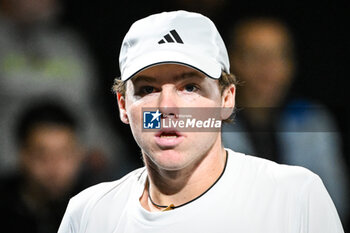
(300, 191)
(96, 192)
(274, 174)
(258, 175)
(309, 115)
(100, 195)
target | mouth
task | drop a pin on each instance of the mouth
(168, 138)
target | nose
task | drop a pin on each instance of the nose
(168, 102)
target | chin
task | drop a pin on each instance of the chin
(169, 160)
(171, 167)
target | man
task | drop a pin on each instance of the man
(41, 56)
(50, 158)
(190, 182)
(271, 123)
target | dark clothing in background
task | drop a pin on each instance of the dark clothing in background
(264, 139)
(16, 215)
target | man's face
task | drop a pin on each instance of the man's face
(167, 88)
(51, 159)
(28, 11)
(263, 62)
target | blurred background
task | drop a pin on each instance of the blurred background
(58, 60)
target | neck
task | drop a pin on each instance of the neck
(182, 186)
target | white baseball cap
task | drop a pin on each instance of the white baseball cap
(177, 37)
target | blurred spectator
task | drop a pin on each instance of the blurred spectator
(210, 8)
(294, 131)
(51, 158)
(40, 57)
(217, 10)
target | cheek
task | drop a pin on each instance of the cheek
(134, 113)
(135, 106)
(285, 74)
(66, 171)
(37, 170)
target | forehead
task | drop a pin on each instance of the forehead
(46, 129)
(262, 34)
(167, 72)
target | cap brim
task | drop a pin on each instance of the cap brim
(207, 66)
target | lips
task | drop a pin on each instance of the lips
(168, 138)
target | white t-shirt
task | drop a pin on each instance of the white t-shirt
(252, 195)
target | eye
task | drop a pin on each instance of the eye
(147, 89)
(191, 88)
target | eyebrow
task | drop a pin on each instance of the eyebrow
(144, 78)
(182, 76)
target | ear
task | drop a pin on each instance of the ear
(122, 110)
(228, 101)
